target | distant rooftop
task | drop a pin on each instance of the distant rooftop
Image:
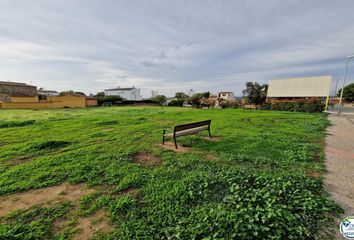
(120, 89)
(47, 91)
(225, 92)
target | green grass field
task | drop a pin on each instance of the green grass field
(262, 180)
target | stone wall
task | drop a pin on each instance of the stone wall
(5, 98)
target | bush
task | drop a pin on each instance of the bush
(103, 99)
(348, 93)
(229, 104)
(159, 99)
(299, 105)
(176, 103)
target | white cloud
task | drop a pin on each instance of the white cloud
(89, 45)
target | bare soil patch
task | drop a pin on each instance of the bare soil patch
(107, 129)
(212, 139)
(210, 157)
(171, 146)
(48, 195)
(146, 159)
(16, 161)
(88, 226)
(163, 122)
(315, 174)
(85, 227)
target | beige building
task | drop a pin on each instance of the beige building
(228, 96)
(22, 96)
(300, 87)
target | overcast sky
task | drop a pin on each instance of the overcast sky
(172, 46)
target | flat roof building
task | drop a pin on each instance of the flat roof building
(319, 86)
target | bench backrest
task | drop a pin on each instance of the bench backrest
(192, 125)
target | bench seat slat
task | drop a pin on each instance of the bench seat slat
(191, 131)
(188, 131)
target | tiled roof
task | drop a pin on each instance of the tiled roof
(48, 91)
(15, 84)
(74, 94)
(120, 89)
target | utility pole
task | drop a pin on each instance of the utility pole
(345, 77)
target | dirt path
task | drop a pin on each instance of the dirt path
(339, 180)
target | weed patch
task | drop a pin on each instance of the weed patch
(49, 145)
(107, 123)
(32, 224)
(9, 124)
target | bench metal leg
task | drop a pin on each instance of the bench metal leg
(209, 133)
(174, 138)
(163, 137)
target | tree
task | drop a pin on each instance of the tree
(255, 92)
(154, 93)
(191, 92)
(100, 94)
(196, 98)
(181, 95)
(207, 94)
(81, 93)
(348, 93)
(160, 99)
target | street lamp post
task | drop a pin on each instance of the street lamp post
(345, 77)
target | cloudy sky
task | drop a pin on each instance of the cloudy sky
(169, 46)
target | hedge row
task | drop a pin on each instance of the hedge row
(311, 106)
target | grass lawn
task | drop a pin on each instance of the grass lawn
(261, 180)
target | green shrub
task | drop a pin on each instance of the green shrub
(176, 103)
(300, 105)
(103, 99)
(230, 204)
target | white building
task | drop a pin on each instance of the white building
(48, 93)
(228, 96)
(126, 93)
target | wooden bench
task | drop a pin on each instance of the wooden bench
(187, 129)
